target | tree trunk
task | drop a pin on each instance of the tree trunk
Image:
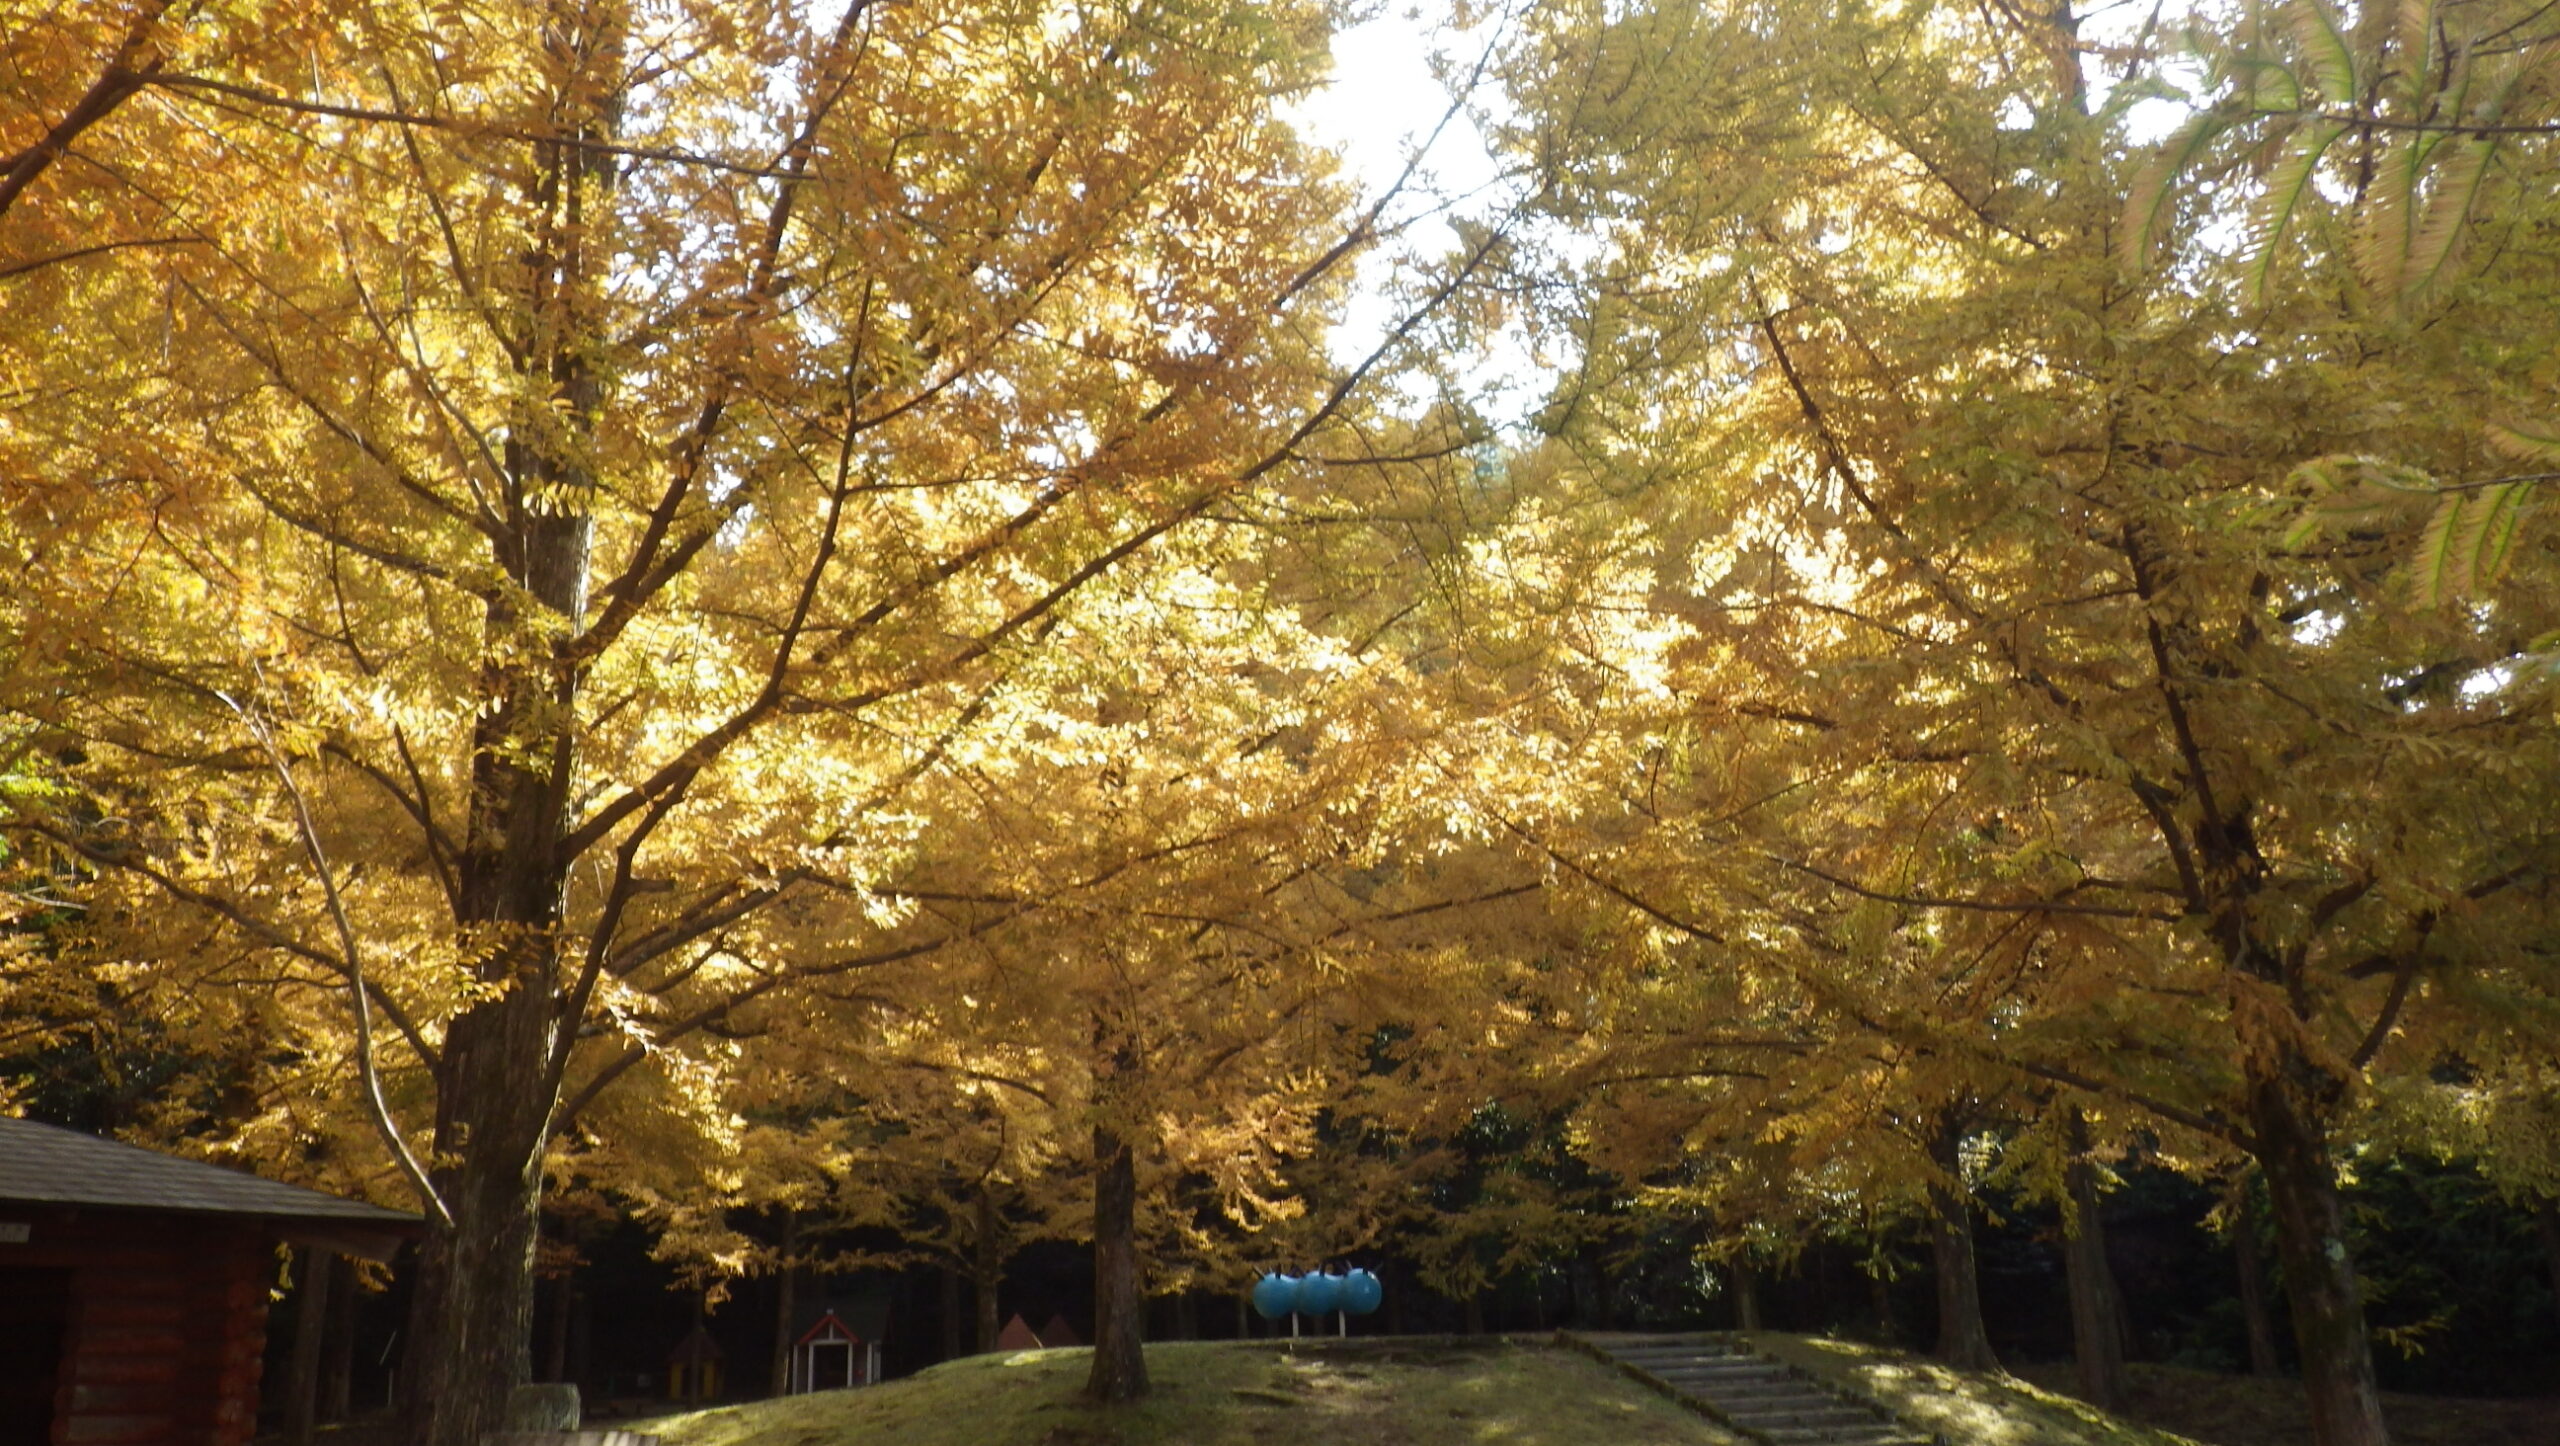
(1880, 1305)
(955, 1315)
(1962, 1340)
(471, 1314)
(2097, 1345)
(990, 1273)
(555, 1348)
(310, 1332)
(2256, 1312)
(471, 1318)
(498, 1081)
(2292, 1147)
(1746, 1294)
(1119, 1307)
(786, 1301)
(1186, 1315)
(2546, 1222)
(1471, 1319)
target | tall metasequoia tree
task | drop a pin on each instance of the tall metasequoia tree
(2016, 718)
(513, 565)
(1171, 915)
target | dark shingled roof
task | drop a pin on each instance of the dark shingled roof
(45, 1165)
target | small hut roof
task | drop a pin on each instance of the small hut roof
(697, 1348)
(828, 1324)
(47, 1165)
(1058, 1333)
(1017, 1336)
(864, 1314)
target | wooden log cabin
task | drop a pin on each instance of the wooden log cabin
(133, 1287)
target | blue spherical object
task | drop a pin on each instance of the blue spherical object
(1275, 1296)
(1319, 1294)
(1361, 1292)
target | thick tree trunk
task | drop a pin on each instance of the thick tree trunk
(1746, 1294)
(310, 1333)
(1962, 1340)
(1119, 1304)
(471, 1316)
(471, 1319)
(2292, 1147)
(2097, 1344)
(2257, 1313)
(786, 1301)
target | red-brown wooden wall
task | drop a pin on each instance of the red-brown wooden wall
(167, 1325)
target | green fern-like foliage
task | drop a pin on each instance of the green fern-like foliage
(2387, 131)
(2424, 111)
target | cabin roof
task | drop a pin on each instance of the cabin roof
(47, 1165)
(697, 1348)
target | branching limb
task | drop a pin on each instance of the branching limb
(376, 1105)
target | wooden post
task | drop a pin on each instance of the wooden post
(338, 1358)
(310, 1333)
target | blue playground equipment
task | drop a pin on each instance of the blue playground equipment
(1318, 1293)
(1275, 1296)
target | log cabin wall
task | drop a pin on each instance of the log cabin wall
(166, 1325)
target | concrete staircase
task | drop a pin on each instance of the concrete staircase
(1770, 1403)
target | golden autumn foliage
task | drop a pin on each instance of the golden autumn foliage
(778, 607)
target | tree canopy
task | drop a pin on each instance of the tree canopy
(801, 606)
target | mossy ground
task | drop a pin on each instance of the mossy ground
(2230, 1410)
(2167, 1405)
(1392, 1392)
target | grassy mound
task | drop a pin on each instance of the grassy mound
(1388, 1392)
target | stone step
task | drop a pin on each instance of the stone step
(1757, 1376)
(1765, 1398)
(1766, 1391)
(1769, 1402)
(1822, 1416)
